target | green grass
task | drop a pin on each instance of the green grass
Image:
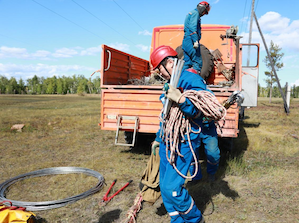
(257, 182)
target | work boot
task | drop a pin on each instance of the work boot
(211, 178)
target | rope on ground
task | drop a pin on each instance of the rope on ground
(131, 214)
(176, 125)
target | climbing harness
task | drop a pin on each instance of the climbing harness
(176, 125)
(106, 199)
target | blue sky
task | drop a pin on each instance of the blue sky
(64, 37)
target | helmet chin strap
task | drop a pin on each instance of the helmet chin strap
(166, 70)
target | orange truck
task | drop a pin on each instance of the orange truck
(228, 66)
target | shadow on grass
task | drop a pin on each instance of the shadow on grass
(142, 143)
(203, 191)
(40, 220)
(110, 216)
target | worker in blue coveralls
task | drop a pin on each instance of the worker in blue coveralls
(192, 36)
(192, 58)
(177, 201)
(209, 139)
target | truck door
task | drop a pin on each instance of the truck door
(250, 72)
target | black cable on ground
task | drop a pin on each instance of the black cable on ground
(45, 205)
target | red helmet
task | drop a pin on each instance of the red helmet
(206, 5)
(160, 53)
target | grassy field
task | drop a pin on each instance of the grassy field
(257, 182)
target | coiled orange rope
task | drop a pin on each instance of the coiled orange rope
(176, 125)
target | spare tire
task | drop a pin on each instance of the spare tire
(207, 60)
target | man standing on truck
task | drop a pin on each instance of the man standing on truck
(192, 58)
(177, 201)
(192, 36)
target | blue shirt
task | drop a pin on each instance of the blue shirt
(192, 25)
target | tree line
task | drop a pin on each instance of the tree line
(77, 84)
(266, 91)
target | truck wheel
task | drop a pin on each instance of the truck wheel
(207, 60)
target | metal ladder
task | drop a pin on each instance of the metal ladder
(119, 126)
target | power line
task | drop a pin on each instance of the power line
(249, 12)
(243, 15)
(257, 2)
(101, 20)
(68, 20)
(128, 15)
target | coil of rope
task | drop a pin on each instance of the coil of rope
(176, 125)
(45, 205)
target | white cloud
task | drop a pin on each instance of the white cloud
(41, 54)
(281, 30)
(22, 53)
(145, 33)
(295, 83)
(7, 52)
(143, 48)
(120, 46)
(273, 22)
(44, 70)
(244, 19)
(92, 51)
(65, 53)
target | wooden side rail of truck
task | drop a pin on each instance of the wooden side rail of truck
(135, 108)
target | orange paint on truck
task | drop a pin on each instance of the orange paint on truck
(122, 98)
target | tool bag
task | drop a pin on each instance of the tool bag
(150, 179)
(9, 213)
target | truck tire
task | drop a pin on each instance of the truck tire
(207, 60)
